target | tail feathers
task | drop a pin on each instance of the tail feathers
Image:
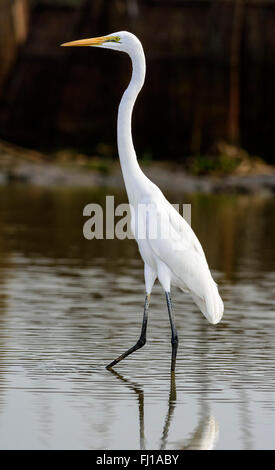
(211, 305)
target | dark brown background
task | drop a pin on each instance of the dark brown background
(210, 75)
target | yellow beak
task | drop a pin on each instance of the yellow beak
(88, 42)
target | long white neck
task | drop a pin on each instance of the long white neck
(134, 178)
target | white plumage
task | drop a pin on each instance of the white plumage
(173, 254)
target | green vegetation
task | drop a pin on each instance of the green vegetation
(221, 164)
(226, 159)
(101, 165)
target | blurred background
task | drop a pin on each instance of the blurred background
(203, 130)
(210, 75)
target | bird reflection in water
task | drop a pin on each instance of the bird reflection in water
(205, 435)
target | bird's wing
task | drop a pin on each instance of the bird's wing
(171, 227)
(183, 229)
(177, 247)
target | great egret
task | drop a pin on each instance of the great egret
(175, 260)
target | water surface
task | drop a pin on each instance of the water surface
(68, 306)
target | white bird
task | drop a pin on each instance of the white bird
(169, 248)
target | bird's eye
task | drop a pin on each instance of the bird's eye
(113, 39)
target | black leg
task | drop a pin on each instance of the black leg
(142, 339)
(174, 337)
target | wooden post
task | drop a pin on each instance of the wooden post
(234, 78)
(13, 32)
(20, 13)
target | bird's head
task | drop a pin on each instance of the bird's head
(122, 41)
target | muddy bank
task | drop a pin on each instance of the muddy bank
(18, 165)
